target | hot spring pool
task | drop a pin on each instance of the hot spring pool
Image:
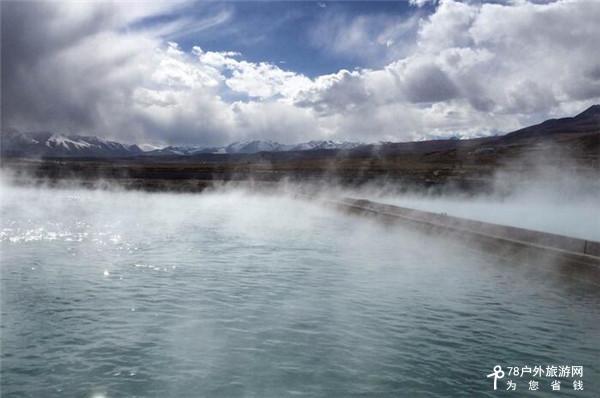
(233, 294)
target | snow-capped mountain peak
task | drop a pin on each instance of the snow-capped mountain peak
(46, 144)
(58, 140)
(254, 147)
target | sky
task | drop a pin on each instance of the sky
(208, 73)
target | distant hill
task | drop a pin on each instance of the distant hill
(587, 121)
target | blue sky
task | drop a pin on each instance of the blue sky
(282, 32)
(211, 73)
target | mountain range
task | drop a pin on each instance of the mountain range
(53, 145)
(249, 147)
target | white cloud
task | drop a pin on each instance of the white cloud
(265, 80)
(174, 69)
(334, 93)
(469, 68)
(421, 3)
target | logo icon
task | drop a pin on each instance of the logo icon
(498, 374)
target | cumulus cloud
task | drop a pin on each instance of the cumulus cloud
(339, 92)
(464, 69)
(257, 80)
(488, 66)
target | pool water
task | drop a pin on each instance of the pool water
(239, 294)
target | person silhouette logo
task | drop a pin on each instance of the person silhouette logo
(498, 374)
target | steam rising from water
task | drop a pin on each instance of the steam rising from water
(579, 217)
(533, 194)
(238, 293)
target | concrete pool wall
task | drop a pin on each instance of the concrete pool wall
(533, 246)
